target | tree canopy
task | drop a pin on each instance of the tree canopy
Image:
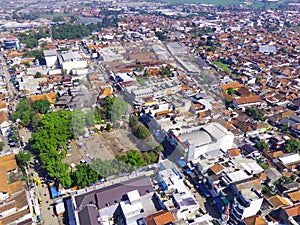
(84, 175)
(25, 112)
(49, 142)
(30, 39)
(132, 158)
(1, 145)
(254, 113)
(141, 132)
(113, 108)
(292, 146)
(78, 123)
(262, 145)
(42, 106)
(106, 168)
(22, 158)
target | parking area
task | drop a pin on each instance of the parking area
(119, 140)
(122, 140)
(107, 145)
(74, 155)
(95, 147)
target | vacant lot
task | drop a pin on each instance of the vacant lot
(73, 156)
(122, 140)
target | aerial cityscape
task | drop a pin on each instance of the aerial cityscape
(150, 112)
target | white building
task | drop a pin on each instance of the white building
(132, 209)
(197, 141)
(70, 61)
(171, 181)
(51, 58)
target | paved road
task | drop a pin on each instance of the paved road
(12, 92)
(46, 207)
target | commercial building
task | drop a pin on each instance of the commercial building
(51, 57)
(72, 61)
(197, 141)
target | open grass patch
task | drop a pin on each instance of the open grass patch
(223, 66)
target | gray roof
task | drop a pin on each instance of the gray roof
(89, 216)
(199, 137)
(70, 56)
(267, 49)
(50, 52)
(108, 195)
(273, 173)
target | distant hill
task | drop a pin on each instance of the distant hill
(214, 2)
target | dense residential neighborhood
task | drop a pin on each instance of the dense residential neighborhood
(150, 113)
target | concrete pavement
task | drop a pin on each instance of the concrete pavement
(46, 206)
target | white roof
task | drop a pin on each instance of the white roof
(253, 208)
(252, 167)
(290, 159)
(131, 209)
(142, 91)
(50, 52)
(198, 137)
(133, 195)
(67, 56)
(60, 208)
(238, 176)
(216, 130)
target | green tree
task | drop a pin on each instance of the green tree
(113, 108)
(133, 121)
(139, 67)
(13, 68)
(24, 111)
(35, 121)
(262, 145)
(27, 64)
(141, 132)
(78, 123)
(107, 168)
(49, 142)
(38, 75)
(132, 158)
(293, 177)
(108, 127)
(230, 91)
(37, 54)
(165, 71)
(1, 145)
(22, 158)
(84, 175)
(254, 113)
(42, 106)
(158, 148)
(90, 118)
(292, 146)
(264, 166)
(14, 133)
(265, 190)
(149, 158)
(160, 35)
(61, 171)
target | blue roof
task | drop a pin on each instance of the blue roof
(54, 192)
(182, 163)
(70, 212)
